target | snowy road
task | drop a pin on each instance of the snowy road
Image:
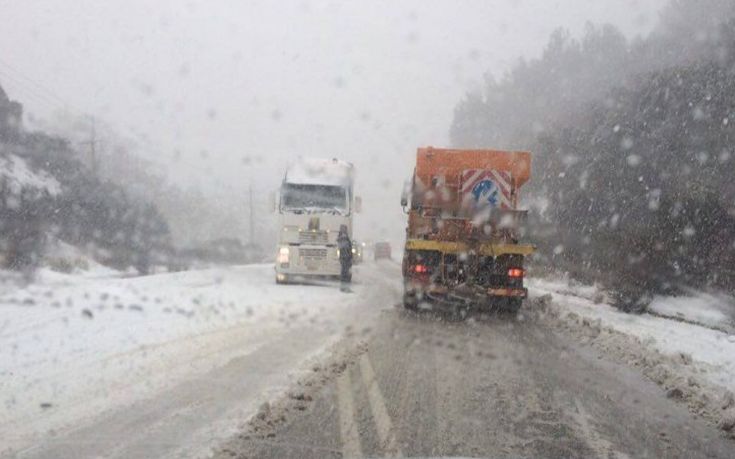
(494, 388)
(176, 365)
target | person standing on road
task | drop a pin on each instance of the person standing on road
(345, 257)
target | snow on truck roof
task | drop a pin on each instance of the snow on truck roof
(316, 171)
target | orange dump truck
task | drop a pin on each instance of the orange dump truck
(463, 247)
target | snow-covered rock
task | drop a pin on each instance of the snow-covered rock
(18, 174)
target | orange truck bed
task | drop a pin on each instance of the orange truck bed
(440, 170)
(450, 163)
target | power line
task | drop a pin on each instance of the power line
(29, 92)
(40, 93)
(39, 87)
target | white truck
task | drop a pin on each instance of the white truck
(315, 199)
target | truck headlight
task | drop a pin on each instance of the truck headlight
(283, 254)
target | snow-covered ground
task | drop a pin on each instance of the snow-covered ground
(698, 360)
(74, 347)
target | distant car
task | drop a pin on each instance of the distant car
(382, 251)
(357, 252)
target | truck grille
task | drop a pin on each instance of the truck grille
(313, 254)
(313, 237)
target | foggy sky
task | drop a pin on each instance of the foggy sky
(234, 89)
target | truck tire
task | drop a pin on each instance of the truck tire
(510, 306)
(459, 313)
(281, 282)
(410, 302)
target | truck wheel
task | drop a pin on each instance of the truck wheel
(410, 302)
(510, 306)
(459, 313)
(281, 280)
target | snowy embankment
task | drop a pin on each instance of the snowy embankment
(75, 347)
(694, 363)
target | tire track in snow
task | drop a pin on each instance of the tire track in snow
(377, 407)
(347, 423)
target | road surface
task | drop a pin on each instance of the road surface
(490, 388)
(390, 384)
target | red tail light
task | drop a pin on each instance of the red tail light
(421, 269)
(515, 272)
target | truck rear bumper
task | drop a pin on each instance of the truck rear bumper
(443, 293)
(316, 269)
(508, 292)
(308, 274)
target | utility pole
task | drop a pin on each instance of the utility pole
(252, 217)
(93, 146)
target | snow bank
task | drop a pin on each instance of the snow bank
(692, 362)
(19, 175)
(671, 337)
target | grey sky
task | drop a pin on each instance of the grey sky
(240, 87)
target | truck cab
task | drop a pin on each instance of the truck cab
(315, 200)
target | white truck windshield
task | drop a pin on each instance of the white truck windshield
(296, 197)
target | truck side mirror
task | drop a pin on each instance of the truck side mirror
(358, 204)
(404, 194)
(273, 201)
